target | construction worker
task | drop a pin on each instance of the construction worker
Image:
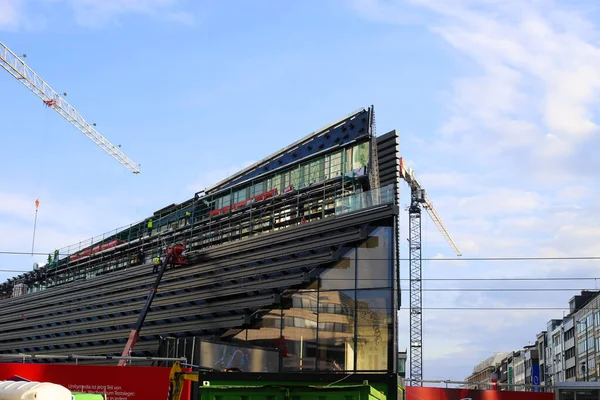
(140, 257)
(55, 255)
(49, 259)
(150, 227)
(156, 263)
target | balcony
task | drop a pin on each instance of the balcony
(570, 343)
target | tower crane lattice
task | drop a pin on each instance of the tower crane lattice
(418, 200)
(24, 74)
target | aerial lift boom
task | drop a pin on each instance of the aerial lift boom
(24, 74)
(174, 256)
(418, 200)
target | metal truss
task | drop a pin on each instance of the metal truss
(416, 307)
(24, 74)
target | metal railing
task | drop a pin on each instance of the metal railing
(77, 357)
(312, 203)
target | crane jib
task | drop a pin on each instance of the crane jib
(24, 74)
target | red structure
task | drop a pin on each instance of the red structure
(425, 393)
(128, 383)
(96, 249)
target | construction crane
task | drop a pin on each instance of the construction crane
(24, 74)
(418, 200)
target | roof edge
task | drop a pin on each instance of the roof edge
(282, 151)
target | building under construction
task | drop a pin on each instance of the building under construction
(290, 265)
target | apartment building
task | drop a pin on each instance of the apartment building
(532, 366)
(553, 364)
(568, 350)
(519, 369)
(486, 370)
(541, 344)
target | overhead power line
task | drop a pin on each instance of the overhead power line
(570, 258)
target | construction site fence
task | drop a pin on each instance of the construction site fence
(343, 204)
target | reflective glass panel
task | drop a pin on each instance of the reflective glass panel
(300, 332)
(336, 331)
(375, 259)
(360, 156)
(373, 319)
(342, 275)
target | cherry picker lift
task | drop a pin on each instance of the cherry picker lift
(174, 256)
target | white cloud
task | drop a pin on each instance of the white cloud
(10, 15)
(185, 18)
(90, 13)
(538, 82)
(511, 169)
(60, 222)
(95, 13)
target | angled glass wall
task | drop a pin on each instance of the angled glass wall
(341, 322)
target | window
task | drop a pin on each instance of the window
(276, 183)
(304, 175)
(373, 318)
(360, 156)
(343, 274)
(240, 195)
(570, 334)
(295, 177)
(316, 170)
(336, 345)
(556, 340)
(348, 159)
(335, 164)
(258, 188)
(374, 258)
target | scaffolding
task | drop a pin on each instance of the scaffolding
(318, 191)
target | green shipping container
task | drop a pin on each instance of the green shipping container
(291, 392)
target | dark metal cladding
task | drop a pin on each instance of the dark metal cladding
(388, 149)
(338, 134)
(331, 235)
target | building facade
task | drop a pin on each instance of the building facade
(553, 360)
(532, 366)
(292, 262)
(519, 369)
(542, 348)
(567, 351)
(487, 372)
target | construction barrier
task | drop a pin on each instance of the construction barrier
(115, 383)
(426, 393)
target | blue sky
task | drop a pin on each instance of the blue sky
(494, 100)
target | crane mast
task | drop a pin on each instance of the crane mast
(24, 74)
(418, 200)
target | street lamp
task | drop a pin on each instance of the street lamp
(584, 366)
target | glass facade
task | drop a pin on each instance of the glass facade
(341, 322)
(351, 160)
